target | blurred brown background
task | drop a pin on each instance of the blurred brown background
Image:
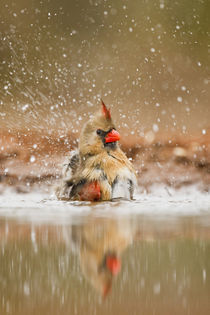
(148, 60)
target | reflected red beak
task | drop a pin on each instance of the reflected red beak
(112, 136)
(113, 264)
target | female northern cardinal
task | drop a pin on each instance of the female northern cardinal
(99, 170)
(100, 245)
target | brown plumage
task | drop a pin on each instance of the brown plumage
(99, 170)
(100, 244)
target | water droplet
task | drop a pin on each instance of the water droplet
(24, 108)
(155, 128)
(32, 159)
(162, 5)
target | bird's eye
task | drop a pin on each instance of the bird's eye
(98, 131)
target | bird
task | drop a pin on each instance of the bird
(98, 170)
(99, 245)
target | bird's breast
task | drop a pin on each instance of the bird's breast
(115, 176)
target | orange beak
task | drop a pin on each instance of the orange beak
(114, 265)
(112, 136)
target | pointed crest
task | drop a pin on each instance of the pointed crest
(105, 110)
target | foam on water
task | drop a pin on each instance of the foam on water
(160, 201)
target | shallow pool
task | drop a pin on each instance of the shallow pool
(148, 256)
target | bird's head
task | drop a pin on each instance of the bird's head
(99, 133)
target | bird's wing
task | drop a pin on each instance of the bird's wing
(83, 182)
(70, 167)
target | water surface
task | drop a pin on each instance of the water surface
(54, 256)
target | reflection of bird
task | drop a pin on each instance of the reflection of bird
(99, 170)
(100, 244)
